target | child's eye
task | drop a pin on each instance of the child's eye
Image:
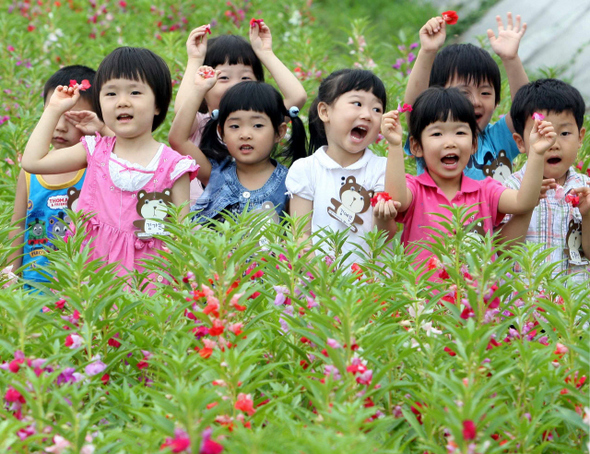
(135, 92)
(109, 94)
(246, 78)
(258, 125)
(566, 133)
(436, 134)
(356, 103)
(378, 109)
(233, 126)
(223, 78)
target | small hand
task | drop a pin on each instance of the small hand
(196, 44)
(386, 210)
(260, 37)
(64, 98)
(85, 120)
(505, 45)
(433, 34)
(391, 128)
(584, 204)
(547, 185)
(543, 137)
(206, 77)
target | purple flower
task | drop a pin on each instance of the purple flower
(96, 367)
(401, 47)
(413, 46)
(398, 63)
(411, 57)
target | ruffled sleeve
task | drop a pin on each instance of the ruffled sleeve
(299, 180)
(184, 165)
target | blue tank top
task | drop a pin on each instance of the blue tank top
(46, 218)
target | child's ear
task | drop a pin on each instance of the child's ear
(219, 131)
(519, 142)
(581, 137)
(281, 133)
(415, 148)
(323, 111)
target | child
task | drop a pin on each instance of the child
(443, 131)
(238, 61)
(555, 223)
(476, 74)
(130, 177)
(41, 200)
(239, 172)
(338, 181)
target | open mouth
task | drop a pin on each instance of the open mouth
(124, 117)
(553, 161)
(478, 116)
(450, 160)
(246, 148)
(358, 133)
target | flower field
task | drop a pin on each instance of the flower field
(252, 349)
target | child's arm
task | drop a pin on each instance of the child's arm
(18, 220)
(542, 138)
(88, 123)
(36, 158)
(432, 38)
(506, 47)
(384, 214)
(584, 194)
(288, 84)
(181, 193)
(180, 131)
(196, 48)
(395, 176)
(298, 206)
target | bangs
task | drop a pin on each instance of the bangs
(233, 50)
(361, 80)
(254, 96)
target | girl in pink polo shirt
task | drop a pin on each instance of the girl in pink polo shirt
(443, 133)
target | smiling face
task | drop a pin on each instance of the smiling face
(128, 107)
(446, 148)
(65, 133)
(250, 136)
(482, 96)
(229, 76)
(352, 123)
(562, 155)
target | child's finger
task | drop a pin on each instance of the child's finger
(509, 24)
(500, 23)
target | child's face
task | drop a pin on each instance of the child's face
(483, 98)
(446, 149)
(352, 122)
(250, 136)
(229, 76)
(65, 133)
(128, 107)
(561, 156)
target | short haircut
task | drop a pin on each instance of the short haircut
(441, 104)
(136, 63)
(467, 62)
(233, 50)
(334, 86)
(551, 95)
(64, 75)
(257, 97)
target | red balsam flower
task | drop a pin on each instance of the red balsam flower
(450, 17)
(380, 196)
(256, 22)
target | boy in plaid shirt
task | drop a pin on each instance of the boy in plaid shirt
(562, 218)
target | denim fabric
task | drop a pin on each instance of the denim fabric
(225, 191)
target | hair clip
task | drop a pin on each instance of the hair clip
(293, 111)
(215, 114)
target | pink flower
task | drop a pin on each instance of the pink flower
(245, 403)
(180, 443)
(405, 108)
(559, 192)
(25, 433)
(538, 116)
(10, 48)
(469, 430)
(60, 445)
(236, 328)
(96, 367)
(208, 446)
(365, 378)
(560, 350)
(333, 343)
(12, 395)
(74, 341)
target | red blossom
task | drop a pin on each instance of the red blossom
(217, 328)
(142, 364)
(207, 73)
(204, 352)
(12, 395)
(258, 22)
(245, 404)
(105, 379)
(60, 303)
(378, 197)
(469, 430)
(450, 352)
(114, 342)
(450, 17)
(208, 29)
(404, 108)
(180, 443)
(573, 200)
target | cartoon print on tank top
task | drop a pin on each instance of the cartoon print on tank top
(573, 244)
(354, 200)
(152, 206)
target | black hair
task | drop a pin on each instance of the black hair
(441, 104)
(136, 63)
(467, 63)
(257, 97)
(551, 95)
(334, 86)
(64, 75)
(233, 50)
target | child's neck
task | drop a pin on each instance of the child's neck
(138, 150)
(254, 176)
(448, 186)
(342, 157)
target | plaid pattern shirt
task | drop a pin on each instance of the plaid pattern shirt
(551, 221)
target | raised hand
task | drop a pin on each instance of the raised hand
(391, 128)
(196, 44)
(433, 34)
(85, 120)
(206, 77)
(543, 137)
(260, 37)
(64, 98)
(505, 45)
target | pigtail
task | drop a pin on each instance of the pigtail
(317, 131)
(297, 147)
(211, 145)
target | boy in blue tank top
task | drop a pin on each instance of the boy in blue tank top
(41, 200)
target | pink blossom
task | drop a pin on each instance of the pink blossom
(538, 116)
(74, 341)
(60, 445)
(26, 432)
(209, 446)
(180, 443)
(245, 403)
(332, 371)
(333, 343)
(96, 367)
(365, 378)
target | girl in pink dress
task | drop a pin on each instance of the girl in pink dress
(131, 178)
